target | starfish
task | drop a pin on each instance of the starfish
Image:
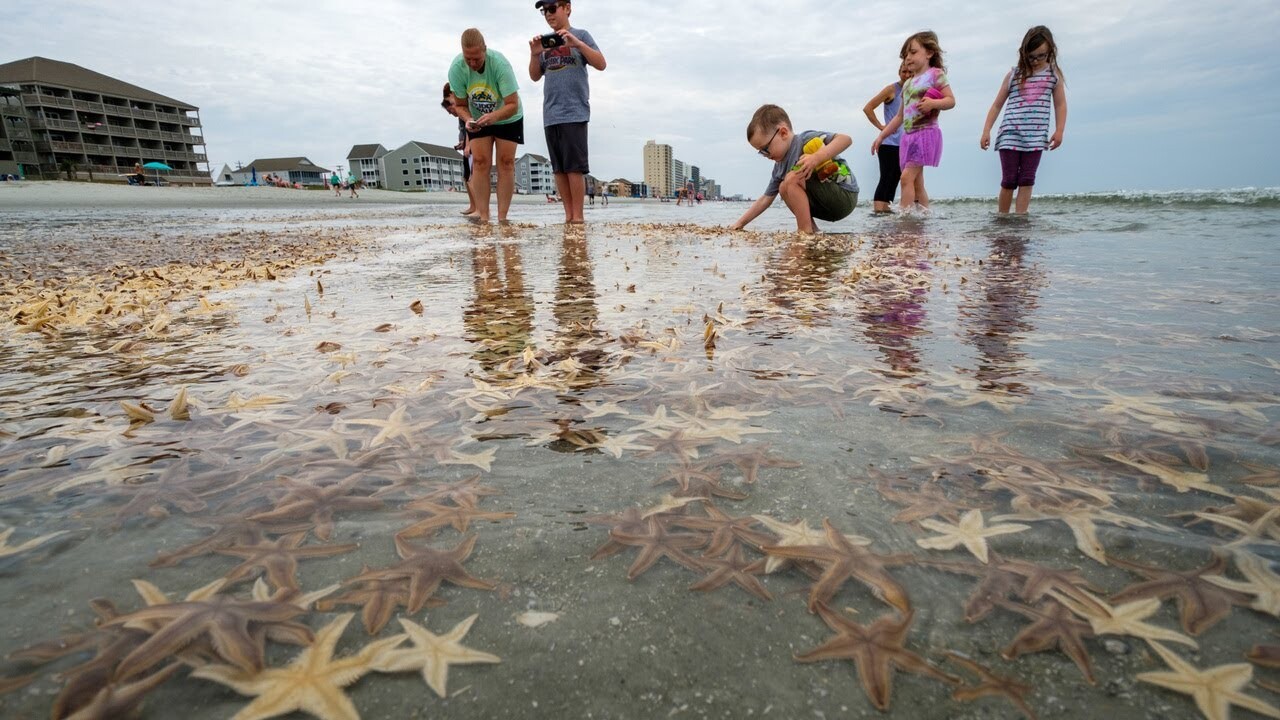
(121, 699)
(797, 534)
(1053, 625)
(7, 550)
(229, 530)
(732, 567)
(432, 654)
(1126, 619)
(1261, 581)
(1179, 480)
(379, 599)
(482, 459)
(1214, 690)
(724, 529)
(461, 492)
(1265, 655)
(971, 532)
(840, 560)
(876, 649)
(277, 558)
(459, 517)
(698, 483)
(1078, 516)
(225, 620)
(1261, 530)
(615, 445)
(305, 501)
(1201, 602)
(921, 501)
(991, 684)
(312, 683)
(996, 583)
(669, 504)
(655, 543)
(395, 426)
(749, 459)
(628, 521)
(426, 568)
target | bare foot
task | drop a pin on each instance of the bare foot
(477, 219)
(469, 211)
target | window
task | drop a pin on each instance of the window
(406, 182)
(405, 172)
(404, 161)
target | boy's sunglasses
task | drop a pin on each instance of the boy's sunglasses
(764, 151)
(550, 9)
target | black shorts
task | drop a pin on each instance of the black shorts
(512, 132)
(567, 146)
(466, 169)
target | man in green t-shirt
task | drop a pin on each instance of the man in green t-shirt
(486, 97)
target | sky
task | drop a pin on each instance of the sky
(1154, 88)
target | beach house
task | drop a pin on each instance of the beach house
(533, 175)
(365, 162)
(291, 169)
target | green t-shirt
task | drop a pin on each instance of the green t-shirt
(484, 91)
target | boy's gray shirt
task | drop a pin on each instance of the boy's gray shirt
(780, 169)
(565, 95)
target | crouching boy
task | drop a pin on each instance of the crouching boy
(813, 181)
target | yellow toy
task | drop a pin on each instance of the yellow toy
(826, 170)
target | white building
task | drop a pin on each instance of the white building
(292, 169)
(534, 176)
(422, 166)
(364, 163)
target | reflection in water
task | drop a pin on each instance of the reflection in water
(800, 275)
(995, 308)
(575, 311)
(499, 319)
(891, 309)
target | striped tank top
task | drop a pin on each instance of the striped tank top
(891, 109)
(1025, 125)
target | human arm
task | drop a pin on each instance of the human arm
(946, 102)
(888, 129)
(590, 53)
(1059, 115)
(806, 164)
(1001, 96)
(761, 204)
(535, 58)
(881, 98)
(462, 109)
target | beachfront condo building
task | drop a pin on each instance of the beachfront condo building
(533, 175)
(81, 123)
(365, 162)
(422, 166)
(658, 164)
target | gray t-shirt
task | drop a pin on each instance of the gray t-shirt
(565, 96)
(781, 169)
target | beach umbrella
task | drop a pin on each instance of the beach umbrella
(157, 166)
(253, 176)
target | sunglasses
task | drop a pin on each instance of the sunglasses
(764, 151)
(1039, 56)
(550, 9)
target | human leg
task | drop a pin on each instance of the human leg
(577, 191)
(793, 194)
(890, 175)
(562, 187)
(922, 197)
(481, 162)
(908, 186)
(506, 159)
(1008, 179)
(1028, 163)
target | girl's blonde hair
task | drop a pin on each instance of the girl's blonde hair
(928, 40)
(1035, 37)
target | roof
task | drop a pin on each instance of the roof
(539, 158)
(433, 150)
(64, 74)
(366, 151)
(282, 165)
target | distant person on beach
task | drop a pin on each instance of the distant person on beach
(890, 172)
(447, 104)
(487, 98)
(604, 196)
(591, 193)
(336, 182)
(138, 174)
(353, 183)
(566, 100)
(923, 97)
(1024, 131)
(807, 194)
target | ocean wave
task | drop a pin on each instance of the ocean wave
(1268, 197)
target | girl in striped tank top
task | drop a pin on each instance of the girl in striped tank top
(1024, 131)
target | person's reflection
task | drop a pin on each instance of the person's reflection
(995, 310)
(576, 313)
(499, 319)
(892, 297)
(799, 276)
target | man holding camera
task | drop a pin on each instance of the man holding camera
(562, 57)
(486, 99)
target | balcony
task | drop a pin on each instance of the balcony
(89, 106)
(33, 100)
(29, 158)
(66, 147)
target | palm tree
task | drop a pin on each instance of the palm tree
(68, 166)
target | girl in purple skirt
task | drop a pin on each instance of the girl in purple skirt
(923, 97)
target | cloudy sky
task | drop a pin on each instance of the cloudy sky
(1163, 94)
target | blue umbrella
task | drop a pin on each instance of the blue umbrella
(253, 176)
(157, 166)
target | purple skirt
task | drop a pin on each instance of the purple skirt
(922, 148)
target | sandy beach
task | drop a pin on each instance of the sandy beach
(52, 193)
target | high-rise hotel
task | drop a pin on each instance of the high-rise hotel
(56, 116)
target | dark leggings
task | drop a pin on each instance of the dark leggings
(1018, 168)
(890, 173)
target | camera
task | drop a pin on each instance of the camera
(551, 40)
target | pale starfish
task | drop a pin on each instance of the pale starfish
(1179, 480)
(602, 409)
(1262, 530)
(1078, 516)
(1126, 619)
(395, 426)
(432, 654)
(669, 503)
(312, 683)
(482, 459)
(615, 445)
(7, 550)
(1262, 582)
(1215, 690)
(972, 532)
(797, 534)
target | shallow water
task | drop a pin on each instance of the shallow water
(1020, 367)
